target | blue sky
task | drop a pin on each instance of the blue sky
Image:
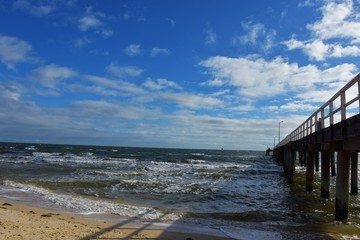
(160, 73)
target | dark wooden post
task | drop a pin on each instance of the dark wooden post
(317, 161)
(342, 186)
(292, 157)
(325, 174)
(301, 158)
(354, 173)
(332, 161)
(310, 171)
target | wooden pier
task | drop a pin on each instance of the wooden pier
(333, 129)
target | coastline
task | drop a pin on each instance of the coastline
(21, 221)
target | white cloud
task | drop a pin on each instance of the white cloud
(307, 3)
(14, 50)
(124, 71)
(133, 50)
(295, 106)
(121, 86)
(210, 37)
(316, 49)
(335, 35)
(81, 42)
(191, 101)
(244, 133)
(339, 51)
(94, 21)
(258, 79)
(51, 75)
(155, 51)
(339, 20)
(98, 110)
(89, 21)
(171, 21)
(160, 84)
(319, 51)
(257, 35)
(106, 33)
(39, 10)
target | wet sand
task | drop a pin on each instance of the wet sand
(19, 221)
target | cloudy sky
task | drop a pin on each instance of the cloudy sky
(160, 73)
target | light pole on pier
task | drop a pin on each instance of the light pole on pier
(279, 129)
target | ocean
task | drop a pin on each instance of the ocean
(221, 189)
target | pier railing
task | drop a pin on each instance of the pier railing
(342, 105)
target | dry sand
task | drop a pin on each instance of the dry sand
(19, 221)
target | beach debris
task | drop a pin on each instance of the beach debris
(50, 214)
(7, 204)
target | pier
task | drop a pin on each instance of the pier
(331, 133)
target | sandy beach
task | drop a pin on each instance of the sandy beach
(19, 221)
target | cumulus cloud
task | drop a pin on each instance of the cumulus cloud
(133, 50)
(51, 75)
(94, 21)
(160, 84)
(113, 110)
(39, 10)
(192, 101)
(14, 50)
(256, 34)
(335, 35)
(123, 87)
(320, 51)
(124, 71)
(89, 20)
(81, 42)
(156, 51)
(256, 78)
(210, 37)
(339, 20)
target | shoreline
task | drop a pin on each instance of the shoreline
(19, 220)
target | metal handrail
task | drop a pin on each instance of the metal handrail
(310, 125)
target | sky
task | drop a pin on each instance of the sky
(163, 73)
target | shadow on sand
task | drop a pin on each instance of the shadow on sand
(133, 228)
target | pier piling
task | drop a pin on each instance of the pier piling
(310, 171)
(332, 164)
(339, 133)
(342, 186)
(325, 174)
(354, 173)
(317, 161)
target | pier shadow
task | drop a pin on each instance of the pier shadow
(133, 228)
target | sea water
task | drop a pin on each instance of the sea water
(227, 190)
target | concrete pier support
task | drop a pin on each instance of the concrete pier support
(310, 171)
(332, 164)
(325, 174)
(342, 186)
(354, 173)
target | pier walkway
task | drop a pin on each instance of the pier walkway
(331, 133)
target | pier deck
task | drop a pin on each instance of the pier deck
(333, 129)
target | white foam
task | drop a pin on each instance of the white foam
(89, 206)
